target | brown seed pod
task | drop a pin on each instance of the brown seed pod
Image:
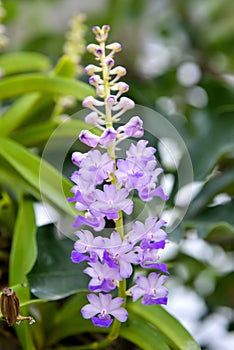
(10, 308)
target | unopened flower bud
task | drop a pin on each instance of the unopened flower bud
(115, 47)
(119, 70)
(123, 87)
(90, 101)
(111, 100)
(93, 119)
(92, 48)
(96, 30)
(98, 52)
(125, 103)
(100, 91)
(91, 69)
(95, 80)
(106, 28)
(109, 62)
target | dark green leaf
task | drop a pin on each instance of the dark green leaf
(223, 293)
(54, 276)
(214, 223)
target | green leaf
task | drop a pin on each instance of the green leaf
(38, 173)
(19, 62)
(18, 113)
(22, 257)
(36, 134)
(18, 185)
(167, 325)
(7, 210)
(54, 276)
(23, 249)
(65, 67)
(222, 234)
(141, 333)
(40, 133)
(57, 86)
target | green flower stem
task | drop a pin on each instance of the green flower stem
(105, 76)
(114, 333)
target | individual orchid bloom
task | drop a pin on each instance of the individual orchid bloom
(98, 164)
(151, 289)
(84, 192)
(103, 277)
(140, 153)
(120, 254)
(110, 201)
(133, 128)
(128, 173)
(104, 307)
(88, 247)
(148, 234)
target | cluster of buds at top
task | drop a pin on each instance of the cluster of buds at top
(102, 190)
(74, 46)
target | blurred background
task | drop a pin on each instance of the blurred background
(180, 61)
